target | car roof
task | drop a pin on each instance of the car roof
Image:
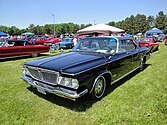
(116, 37)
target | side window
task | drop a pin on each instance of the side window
(83, 45)
(113, 45)
(126, 45)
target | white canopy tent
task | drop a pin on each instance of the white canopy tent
(100, 28)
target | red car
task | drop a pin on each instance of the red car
(52, 41)
(150, 43)
(19, 48)
(165, 41)
(41, 40)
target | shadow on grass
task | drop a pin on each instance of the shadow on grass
(21, 57)
(83, 103)
(80, 105)
(122, 81)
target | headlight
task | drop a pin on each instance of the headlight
(25, 70)
(68, 82)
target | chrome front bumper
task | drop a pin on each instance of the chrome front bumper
(55, 90)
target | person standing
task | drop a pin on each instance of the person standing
(75, 40)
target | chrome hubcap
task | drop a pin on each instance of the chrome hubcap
(99, 86)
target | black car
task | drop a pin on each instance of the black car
(94, 63)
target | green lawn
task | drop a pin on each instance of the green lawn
(139, 99)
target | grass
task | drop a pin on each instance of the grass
(139, 99)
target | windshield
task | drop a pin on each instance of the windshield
(41, 38)
(66, 40)
(148, 35)
(99, 45)
(1, 43)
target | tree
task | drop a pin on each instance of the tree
(13, 31)
(112, 23)
(47, 29)
(165, 22)
(23, 31)
(160, 20)
(151, 21)
(141, 24)
(82, 26)
(4, 28)
(130, 24)
(31, 28)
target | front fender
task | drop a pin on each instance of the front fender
(107, 75)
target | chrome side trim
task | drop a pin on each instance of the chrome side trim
(56, 90)
(124, 75)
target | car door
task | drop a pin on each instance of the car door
(27, 49)
(125, 60)
(9, 49)
(135, 53)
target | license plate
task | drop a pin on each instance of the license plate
(41, 91)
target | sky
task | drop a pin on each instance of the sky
(22, 13)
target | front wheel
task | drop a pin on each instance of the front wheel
(99, 88)
(34, 55)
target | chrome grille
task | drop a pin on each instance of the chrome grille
(34, 73)
(44, 75)
(49, 77)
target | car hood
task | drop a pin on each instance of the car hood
(71, 63)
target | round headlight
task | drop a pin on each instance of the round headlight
(68, 82)
(75, 84)
(25, 71)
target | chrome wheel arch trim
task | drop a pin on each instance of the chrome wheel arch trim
(100, 75)
(103, 88)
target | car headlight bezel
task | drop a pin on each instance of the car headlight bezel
(24, 70)
(68, 82)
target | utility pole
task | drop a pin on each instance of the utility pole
(53, 24)
(94, 21)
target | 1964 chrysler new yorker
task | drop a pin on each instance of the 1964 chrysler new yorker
(93, 63)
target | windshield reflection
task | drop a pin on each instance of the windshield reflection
(99, 45)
